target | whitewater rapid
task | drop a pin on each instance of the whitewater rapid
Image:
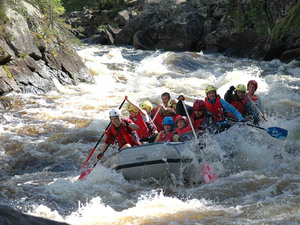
(45, 139)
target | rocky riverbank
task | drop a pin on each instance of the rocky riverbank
(32, 63)
(223, 26)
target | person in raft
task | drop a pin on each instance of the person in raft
(252, 87)
(242, 103)
(126, 137)
(201, 120)
(140, 117)
(219, 109)
(169, 133)
(162, 110)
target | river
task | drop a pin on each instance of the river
(45, 140)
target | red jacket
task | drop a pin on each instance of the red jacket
(126, 135)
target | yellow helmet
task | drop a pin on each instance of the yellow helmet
(172, 102)
(210, 88)
(130, 107)
(147, 105)
(240, 87)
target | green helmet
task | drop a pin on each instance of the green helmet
(210, 88)
(240, 87)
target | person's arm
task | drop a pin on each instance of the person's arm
(176, 137)
(157, 137)
(180, 108)
(229, 94)
(229, 108)
(261, 107)
(130, 124)
(142, 111)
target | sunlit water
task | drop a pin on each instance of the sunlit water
(45, 139)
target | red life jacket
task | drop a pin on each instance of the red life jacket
(143, 130)
(240, 106)
(158, 120)
(197, 122)
(254, 98)
(166, 137)
(215, 108)
(126, 135)
(184, 130)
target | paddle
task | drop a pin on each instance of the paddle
(87, 172)
(208, 173)
(88, 158)
(275, 132)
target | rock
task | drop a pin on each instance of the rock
(31, 64)
(10, 216)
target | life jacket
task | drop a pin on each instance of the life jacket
(184, 130)
(158, 120)
(240, 106)
(215, 108)
(143, 130)
(254, 98)
(166, 137)
(126, 135)
(197, 122)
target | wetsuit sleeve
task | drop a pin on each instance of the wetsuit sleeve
(228, 96)
(230, 109)
(180, 109)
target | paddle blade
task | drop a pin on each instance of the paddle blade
(84, 174)
(277, 132)
(208, 174)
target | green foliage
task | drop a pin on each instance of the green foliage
(101, 28)
(3, 18)
(7, 72)
(78, 5)
(287, 25)
(253, 14)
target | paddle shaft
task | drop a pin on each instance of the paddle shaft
(189, 118)
(257, 109)
(208, 173)
(87, 172)
(111, 140)
(99, 140)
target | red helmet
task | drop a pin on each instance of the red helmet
(181, 118)
(253, 82)
(199, 105)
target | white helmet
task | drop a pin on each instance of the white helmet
(114, 112)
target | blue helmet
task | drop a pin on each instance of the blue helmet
(168, 121)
